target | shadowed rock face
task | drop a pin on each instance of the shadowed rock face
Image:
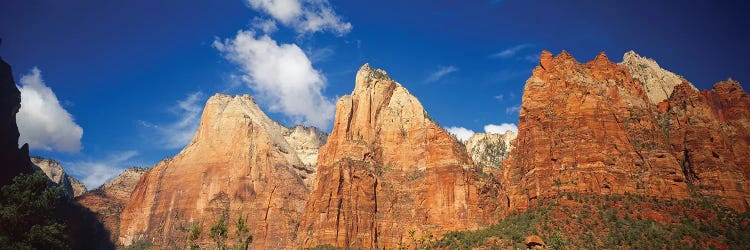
(71, 186)
(15, 161)
(607, 128)
(109, 200)
(386, 169)
(240, 162)
(709, 132)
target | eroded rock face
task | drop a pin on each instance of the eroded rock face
(71, 186)
(387, 168)
(108, 200)
(15, 161)
(588, 128)
(629, 128)
(710, 135)
(240, 162)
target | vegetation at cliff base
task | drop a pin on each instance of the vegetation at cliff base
(588, 221)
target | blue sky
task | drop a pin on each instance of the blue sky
(133, 75)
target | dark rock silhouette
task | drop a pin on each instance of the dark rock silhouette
(13, 161)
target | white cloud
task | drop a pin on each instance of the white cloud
(500, 97)
(461, 133)
(282, 75)
(464, 134)
(95, 173)
(510, 52)
(440, 73)
(179, 133)
(266, 25)
(513, 109)
(500, 129)
(304, 16)
(42, 121)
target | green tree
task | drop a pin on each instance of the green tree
(29, 208)
(193, 235)
(242, 230)
(219, 233)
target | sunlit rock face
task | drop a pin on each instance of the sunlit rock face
(622, 128)
(388, 169)
(240, 163)
(71, 186)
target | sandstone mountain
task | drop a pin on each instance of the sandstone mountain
(389, 173)
(709, 134)
(71, 186)
(240, 163)
(488, 150)
(632, 128)
(108, 200)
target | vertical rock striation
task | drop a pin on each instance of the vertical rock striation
(240, 162)
(631, 127)
(388, 169)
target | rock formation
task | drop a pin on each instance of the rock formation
(240, 163)
(71, 186)
(709, 133)
(15, 161)
(629, 128)
(108, 200)
(388, 169)
(488, 150)
(657, 82)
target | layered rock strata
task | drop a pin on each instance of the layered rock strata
(631, 127)
(389, 174)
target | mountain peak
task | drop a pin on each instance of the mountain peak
(659, 83)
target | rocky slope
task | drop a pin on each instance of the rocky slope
(108, 200)
(71, 186)
(240, 163)
(388, 173)
(15, 161)
(609, 128)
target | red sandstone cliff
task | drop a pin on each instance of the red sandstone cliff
(109, 200)
(240, 162)
(627, 128)
(388, 169)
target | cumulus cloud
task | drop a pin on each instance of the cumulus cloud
(42, 121)
(464, 134)
(500, 129)
(95, 173)
(461, 133)
(179, 133)
(304, 16)
(282, 75)
(266, 25)
(512, 51)
(440, 73)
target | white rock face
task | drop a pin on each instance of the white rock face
(478, 142)
(306, 141)
(658, 82)
(54, 171)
